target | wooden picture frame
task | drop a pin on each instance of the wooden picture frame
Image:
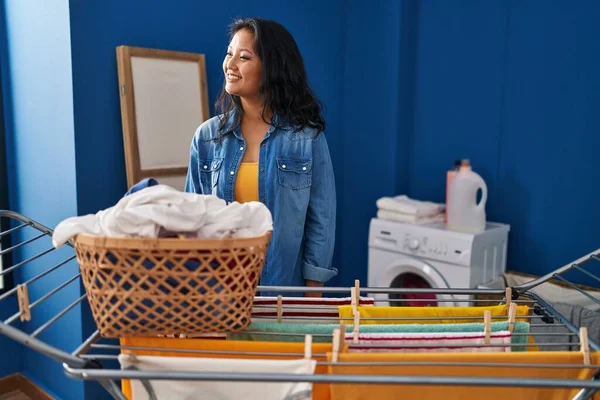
(164, 98)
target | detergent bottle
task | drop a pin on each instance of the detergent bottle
(464, 213)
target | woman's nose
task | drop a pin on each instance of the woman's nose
(230, 63)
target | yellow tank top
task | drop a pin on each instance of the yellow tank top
(246, 183)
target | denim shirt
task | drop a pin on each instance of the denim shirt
(295, 181)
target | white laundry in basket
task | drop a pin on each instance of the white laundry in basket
(161, 209)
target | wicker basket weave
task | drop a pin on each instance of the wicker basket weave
(167, 286)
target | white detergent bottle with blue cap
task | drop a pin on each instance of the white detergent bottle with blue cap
(464, 212)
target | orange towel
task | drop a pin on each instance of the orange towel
(296, 350)
(386, 391)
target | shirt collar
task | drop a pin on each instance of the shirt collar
(231, 125)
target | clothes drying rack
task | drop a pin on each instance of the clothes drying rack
(89, 360)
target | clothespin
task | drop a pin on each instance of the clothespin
(23, 299)
(338, 341)
(584, 345)
(355, 296)
(487, 326)
(356, 327)
(512, 315)
(307, 347)
(508, 295)
(336, 345)
(279, 308)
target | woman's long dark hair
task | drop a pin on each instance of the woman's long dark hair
(284, 85)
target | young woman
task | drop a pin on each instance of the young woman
(267, 144)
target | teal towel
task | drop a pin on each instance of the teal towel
(256, 330)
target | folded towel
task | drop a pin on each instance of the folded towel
(289, 332)
(161, 210)
(409, 218)
(444, 342)
(165, 389)
(406, 205)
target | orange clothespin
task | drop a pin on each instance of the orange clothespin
(308, 347)
(487, 326)
(356, 327)
(512, 315)
(279, 308)
(23, 299)
(584, 345)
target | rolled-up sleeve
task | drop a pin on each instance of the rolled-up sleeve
(319, 231)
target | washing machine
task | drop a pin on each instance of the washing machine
(404, 255)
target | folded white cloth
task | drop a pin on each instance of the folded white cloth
(429, 342)
(412, 219)
(161, 210)
(406, 205)
(221, 390)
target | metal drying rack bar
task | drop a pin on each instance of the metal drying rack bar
(87, 361)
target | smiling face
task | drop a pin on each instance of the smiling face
(242, 66)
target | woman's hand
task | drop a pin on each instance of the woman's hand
(313, 284)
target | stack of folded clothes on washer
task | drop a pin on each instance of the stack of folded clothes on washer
(404, 209)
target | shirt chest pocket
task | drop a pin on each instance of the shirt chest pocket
(294, 173)
(209, 171)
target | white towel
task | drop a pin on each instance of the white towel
(430, 342)
(219, 390)
(408, 218)
(406, 205)
(161, 210)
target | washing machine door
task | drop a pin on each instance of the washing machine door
(408, 272)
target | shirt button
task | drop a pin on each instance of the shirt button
(206, 166)
(263, 145)
(263, 201)
(262, 170)
(283, 166)
(303, 168)
(231, 172)
(242, 148)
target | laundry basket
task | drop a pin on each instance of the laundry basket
(170, 286)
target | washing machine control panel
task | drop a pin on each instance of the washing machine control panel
(425, 245)
(437, 247)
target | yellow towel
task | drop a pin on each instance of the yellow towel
(389, 392)
(320, 391)
(415, 312)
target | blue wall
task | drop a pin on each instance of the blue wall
(514, 86)
(12, 353)
(41, 151)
